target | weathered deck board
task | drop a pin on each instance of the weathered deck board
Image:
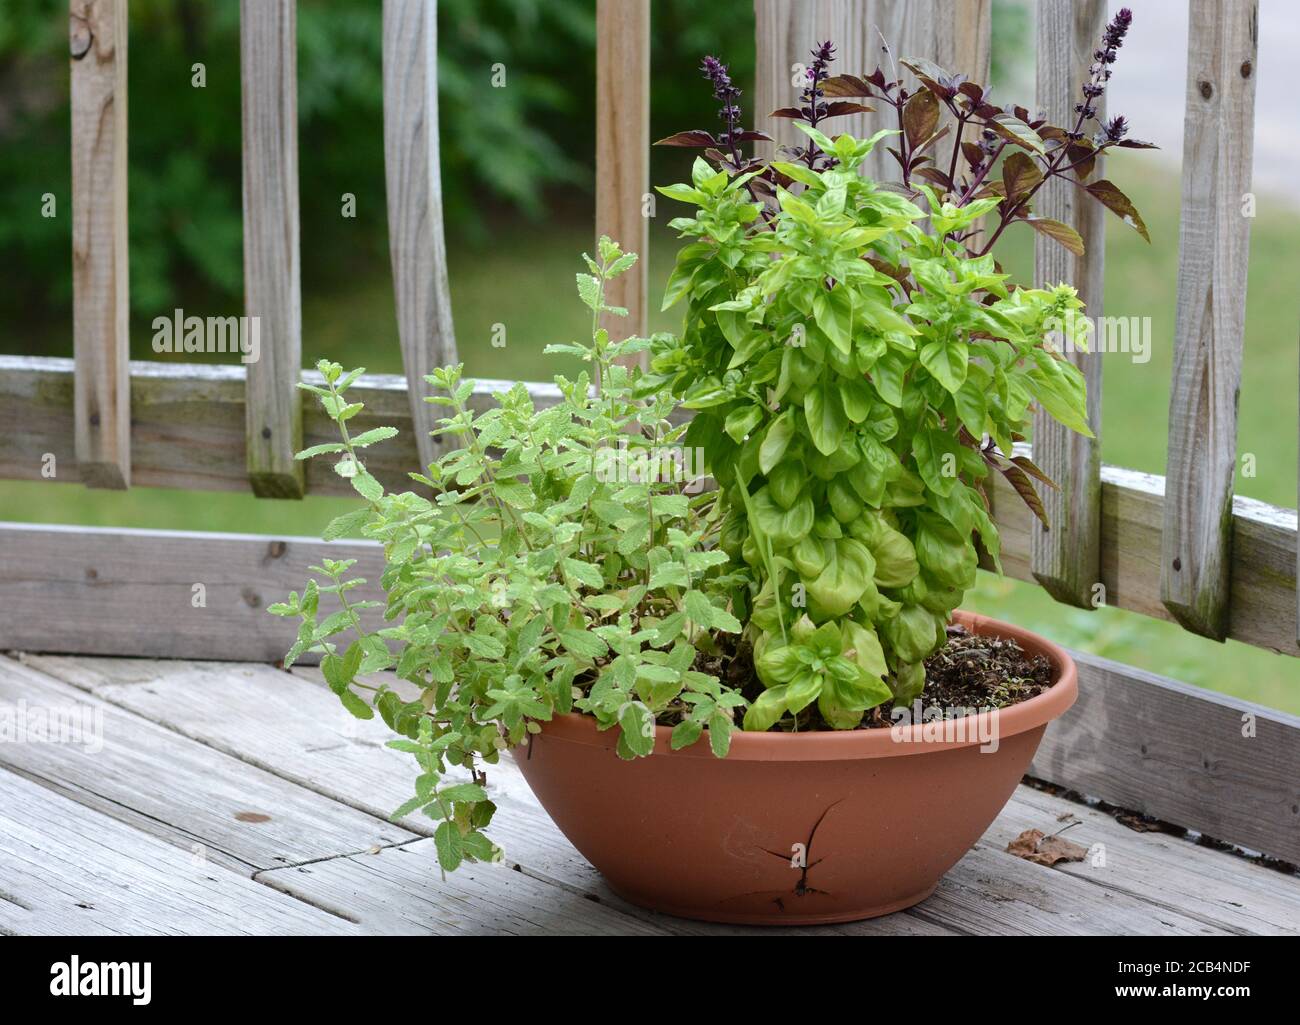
(1166, 870)
(279, 723)
(398, 892)
(1227, 767)
(1150, 883)
(66, 869)
(300, 732)
(209, 804)
(307, 739)
(1135, 739)
(992, 892)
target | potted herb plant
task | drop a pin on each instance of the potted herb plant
(829, 735)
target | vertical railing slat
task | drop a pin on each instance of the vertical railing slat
(782, 34)
(1213, 252)
(272, 299)
(622, 148)
(955, 35)
(1066, 559)
(417, 245)
(97, 38)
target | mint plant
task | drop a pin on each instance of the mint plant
(859, 364)
(556, 563)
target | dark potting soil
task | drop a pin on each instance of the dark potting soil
(981, 671)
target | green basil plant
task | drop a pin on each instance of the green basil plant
(858, 364)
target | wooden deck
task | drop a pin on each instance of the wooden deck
(236, 798)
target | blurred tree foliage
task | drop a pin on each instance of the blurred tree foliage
(525, 149)
(1013, 48)
(514, 149)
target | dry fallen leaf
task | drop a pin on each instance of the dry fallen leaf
(1033, 846)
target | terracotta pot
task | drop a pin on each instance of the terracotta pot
(792, 828)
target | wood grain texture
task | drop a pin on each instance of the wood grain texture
(1226, 767)
(179, 693)
(97, 40)
(412, 169)
(533, 845)
(1132, 519)
(993, 893)
(301, 733)
(68, 870)
(209, 804)
(1066, 559)
(292, 726)
(126, 592)
(276, 721)
(623, 153)
(188, 423)
(1167, 871)
(397, 892)
(281, 724)
(954, 35)
(1213, 253)
(268, 49)
(1262, 597)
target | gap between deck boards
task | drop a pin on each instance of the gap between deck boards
(301, 714)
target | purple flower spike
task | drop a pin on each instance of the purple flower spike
(727, 93)
(1117, 128)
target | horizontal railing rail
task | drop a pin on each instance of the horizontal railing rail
(187, 430)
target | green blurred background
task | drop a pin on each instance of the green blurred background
(518, 182)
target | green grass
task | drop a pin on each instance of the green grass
(525, 283)
(1141, 281)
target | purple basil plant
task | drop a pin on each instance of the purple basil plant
(1026, 151)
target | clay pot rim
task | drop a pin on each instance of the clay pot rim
(845, 745)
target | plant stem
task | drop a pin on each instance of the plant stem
(503, 507)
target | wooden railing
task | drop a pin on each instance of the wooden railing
(1178, 548)
(191, 426)
(101, 400)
